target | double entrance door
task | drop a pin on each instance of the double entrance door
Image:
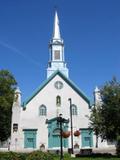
(54, 134)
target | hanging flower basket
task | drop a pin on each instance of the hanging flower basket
(77, 133)
(65, 134)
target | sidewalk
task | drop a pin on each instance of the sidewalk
(111, 150)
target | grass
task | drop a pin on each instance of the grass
(89, 158)
(36, 155)
(92, 157)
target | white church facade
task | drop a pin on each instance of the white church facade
(34, 123)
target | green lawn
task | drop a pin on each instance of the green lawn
(102, 157)
(38, 155)
(90, 158)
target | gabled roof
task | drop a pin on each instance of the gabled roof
(67, 80)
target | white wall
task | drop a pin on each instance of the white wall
(30, 118)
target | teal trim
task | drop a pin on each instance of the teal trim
(30, 138)
(30, 129)
(54, 119)
(67, 80)
(87, 137)
(56, 43)
(57, 61)
(54, 134)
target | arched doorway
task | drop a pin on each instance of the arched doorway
(54, 134)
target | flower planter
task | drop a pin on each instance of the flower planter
(65, 134)
(77, 133)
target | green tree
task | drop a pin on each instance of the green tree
(95, 122)
(110, 110)
(7, 87)
(106, 118)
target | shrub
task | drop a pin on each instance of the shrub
(118, 146)
(23, 156)
(38, 155)
(9, 156)
(13, 156)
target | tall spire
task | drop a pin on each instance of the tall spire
(56, 29)
(56, 48)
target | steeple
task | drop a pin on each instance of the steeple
(56, 48)
(56, 29)
(97, 96)
(17, 97)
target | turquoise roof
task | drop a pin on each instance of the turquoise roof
(67, 80)
(55, 119)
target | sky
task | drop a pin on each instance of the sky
(91, 33)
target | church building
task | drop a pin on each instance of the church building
(35, 122)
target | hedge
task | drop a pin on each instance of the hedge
(36, 155)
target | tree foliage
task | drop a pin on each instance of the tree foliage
(105, 118)
(110, 110)
(7, 87)
(95, 122)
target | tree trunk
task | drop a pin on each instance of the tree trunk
(96, 141)
(118, 146)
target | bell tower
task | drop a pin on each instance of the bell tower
(56, 49)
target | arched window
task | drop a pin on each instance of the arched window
(58, 101)
(74, 109)
(42, 110)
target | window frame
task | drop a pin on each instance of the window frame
(74, 110)
(42, 110)
(58, 100)
(57, 55)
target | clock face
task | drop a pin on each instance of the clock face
(58, 85)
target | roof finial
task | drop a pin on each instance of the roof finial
(56, 29)
(97, 89)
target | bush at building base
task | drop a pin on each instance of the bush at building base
(39, 155)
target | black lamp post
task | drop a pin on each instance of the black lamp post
(71, 125)
(61, 120)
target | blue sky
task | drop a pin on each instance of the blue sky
(91, 33)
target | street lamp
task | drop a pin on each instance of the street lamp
(61, 120)
(71, 125)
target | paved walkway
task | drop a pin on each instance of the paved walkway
(111, 150)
